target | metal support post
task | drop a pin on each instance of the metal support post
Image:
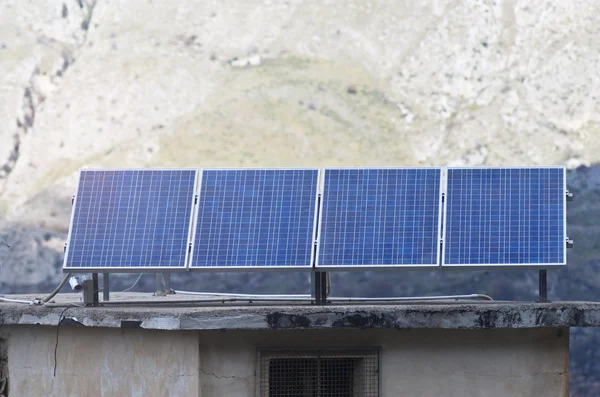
(543, 286)
(158, 285)
(95, 288)
(319, 287)
(167, 281)
(105, 287)
(88, 292)
(163, 284)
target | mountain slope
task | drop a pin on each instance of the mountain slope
(297, 83)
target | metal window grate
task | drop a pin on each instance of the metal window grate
(319, 373)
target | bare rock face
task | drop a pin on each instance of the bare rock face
(286, 83)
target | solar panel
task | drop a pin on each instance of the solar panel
(131, 220)
(253, 219)
(505, 216)
(380, 218)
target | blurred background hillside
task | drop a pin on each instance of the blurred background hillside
(162, 83)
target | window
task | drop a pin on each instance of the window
(319, 373)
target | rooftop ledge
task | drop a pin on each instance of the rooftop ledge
(199, 316)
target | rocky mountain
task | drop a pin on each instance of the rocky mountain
(87, 83)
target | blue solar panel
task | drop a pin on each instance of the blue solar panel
(255, 219)
(380, 217)
(131, 219)
(505, 216)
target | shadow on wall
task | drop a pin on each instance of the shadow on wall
(3, 368)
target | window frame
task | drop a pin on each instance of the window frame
(313, 352)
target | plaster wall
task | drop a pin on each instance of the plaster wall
(101, 362)
(431, 362)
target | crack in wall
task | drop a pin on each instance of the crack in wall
(223, 376)
(499, 376)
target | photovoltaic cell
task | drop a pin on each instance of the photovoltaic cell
(380, 217)
(131, 219)
(255, 219)
(505, 216)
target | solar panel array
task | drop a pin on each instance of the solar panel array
(256, 218)
(380, 217)
(149, 220)
(505, 216)
(129, 219)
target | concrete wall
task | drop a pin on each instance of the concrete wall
(101, 362)
(452, 363)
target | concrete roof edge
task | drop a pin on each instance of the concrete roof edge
(493, 315)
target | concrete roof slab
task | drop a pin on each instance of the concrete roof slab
(137, 310)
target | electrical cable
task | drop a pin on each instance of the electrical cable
(134, 284)
(274, 298)
(200, 301)
(60, 320)
(410, 298)
(262, 298)
(286, 299)
(57, 290)
(17, 301)
(240, 295)
(65, 304)
(43, 301)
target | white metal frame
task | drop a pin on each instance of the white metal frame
(517, 266)
(428, 266)
(317, 228)
(273, 268)
(128, 269)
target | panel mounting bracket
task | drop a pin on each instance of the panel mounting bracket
(90, 291)
(569, 243)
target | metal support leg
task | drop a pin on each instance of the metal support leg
(543, 286)
(95, 286)
(163, 284)
(323, 287)
(158, 290)
(105, 287)
(88, 292)
(167, 282)
(319, 287)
